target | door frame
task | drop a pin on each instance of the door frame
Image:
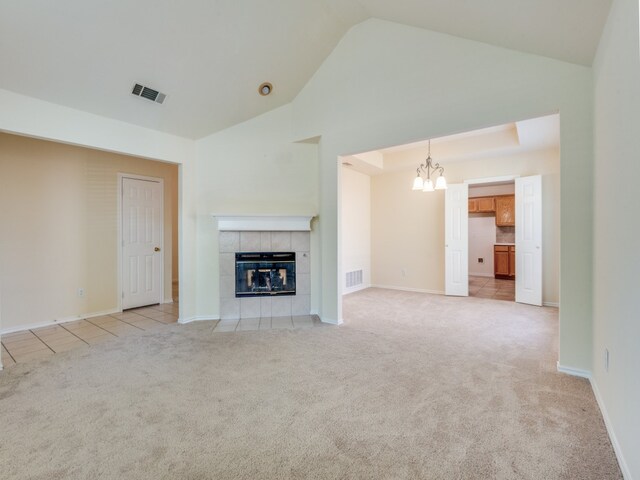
(120, 217)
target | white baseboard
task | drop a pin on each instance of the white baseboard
(576, 372)
(551, 304)
(626, 473)
(168, 301)
(348, 291)
(198, 318)
(331, 321)
(409, 289)
(72, 318)
(486, 275)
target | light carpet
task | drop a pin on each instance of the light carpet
(412, 386)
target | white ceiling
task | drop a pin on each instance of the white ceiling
(209, 56)
(494, 142)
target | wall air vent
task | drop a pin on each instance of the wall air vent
(148, 93)
(353, 278)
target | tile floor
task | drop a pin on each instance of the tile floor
(42, 342)
(46, 341)
(496, 288)
(274, 323)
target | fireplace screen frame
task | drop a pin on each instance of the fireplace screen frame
(265, 274)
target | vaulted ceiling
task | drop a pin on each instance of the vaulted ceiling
(209, 56)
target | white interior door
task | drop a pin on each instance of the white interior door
(142, 231)
(456, 239)
(529, 240)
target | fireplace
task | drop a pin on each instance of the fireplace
(265, 274)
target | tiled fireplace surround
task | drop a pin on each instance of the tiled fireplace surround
(231, 242)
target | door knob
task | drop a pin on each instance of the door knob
(157, 249)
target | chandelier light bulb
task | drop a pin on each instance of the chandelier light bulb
(441, 183)
(418, 183)
(428, 186)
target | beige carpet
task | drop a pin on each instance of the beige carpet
(411, 387)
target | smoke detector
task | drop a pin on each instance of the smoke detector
(148, 93)
(265, 89)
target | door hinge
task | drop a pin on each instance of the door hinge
(122, 294)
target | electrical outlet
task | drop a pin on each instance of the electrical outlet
(481, 260)
(606, 359)
(81, 292)
(404, 272)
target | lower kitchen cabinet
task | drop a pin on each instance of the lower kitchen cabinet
(504, 261)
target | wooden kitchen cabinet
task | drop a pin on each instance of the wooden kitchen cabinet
(512, 261)
(504, 261)
(506, 211)
(486, 204)
(482, 205)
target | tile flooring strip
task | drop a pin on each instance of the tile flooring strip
(9, 353)
(147, 318)
(74, 334)
(96, 325)
(34, 333)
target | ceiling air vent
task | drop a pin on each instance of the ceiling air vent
(148, 93)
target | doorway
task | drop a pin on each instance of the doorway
(520, 260)
(142, 240)
(492, 262)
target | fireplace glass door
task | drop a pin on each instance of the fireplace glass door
(265, 273)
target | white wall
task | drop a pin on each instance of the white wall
(36, 118)
(59, 229)
(407, 223)
(251, 168)
(387, 84)
(616, 231)
(356, 226)
(482, 237)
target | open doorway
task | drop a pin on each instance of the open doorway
(403, 244)
(492, 237)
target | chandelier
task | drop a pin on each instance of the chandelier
(426, 185)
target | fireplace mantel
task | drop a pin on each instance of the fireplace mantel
(263, 223)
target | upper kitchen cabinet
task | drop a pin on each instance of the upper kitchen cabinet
(482, 205)
(486, 204)
(505, 211)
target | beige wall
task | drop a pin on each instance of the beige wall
(58, 229)
(487, 191)
(408, 226)
(355, 225)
